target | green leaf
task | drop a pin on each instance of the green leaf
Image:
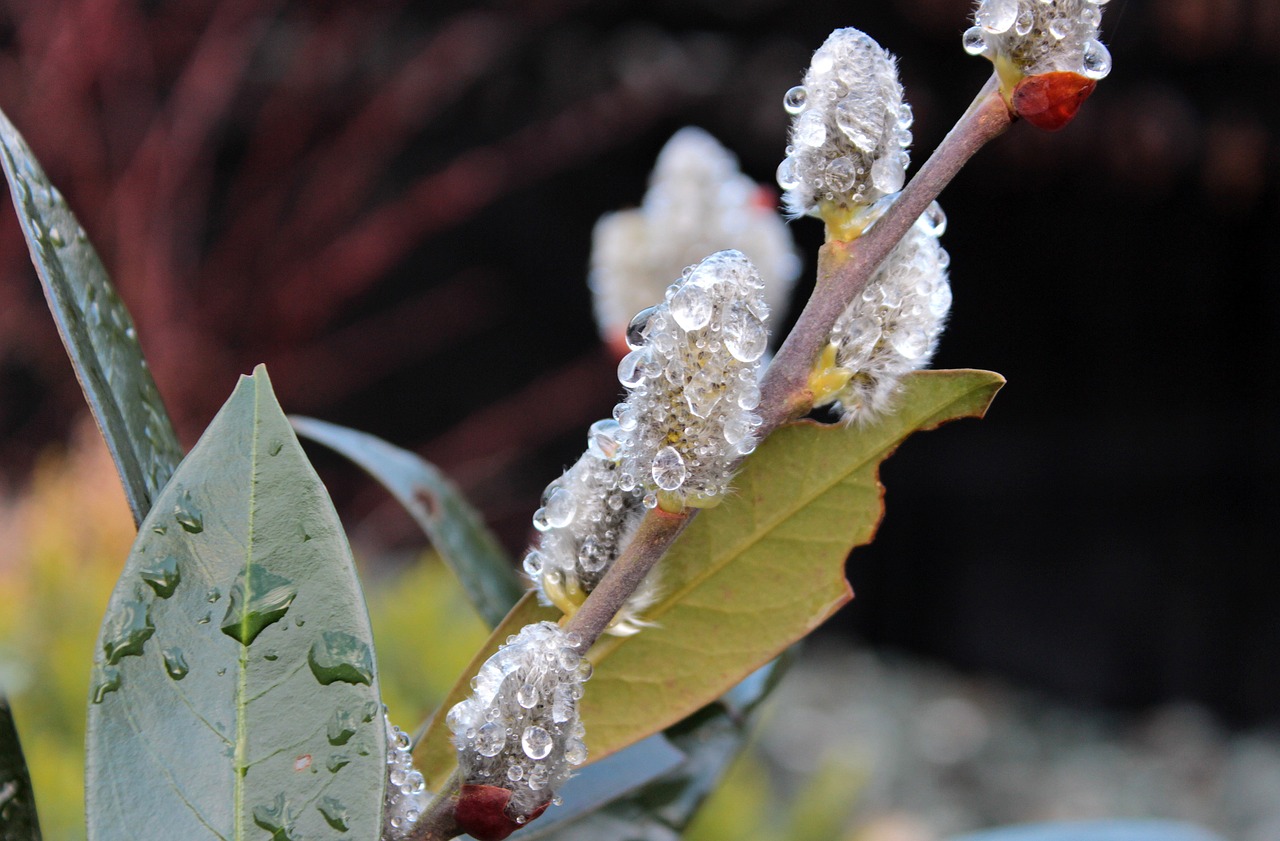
(17, 801)
(750, 577)
(457, 532)
(95, 327)
(234, 690)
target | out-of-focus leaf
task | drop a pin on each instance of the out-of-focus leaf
(95, 327)
(18, 820)
(1095, 831)
(710, 739)
(456, 530)
(748, 578)
(234, 691)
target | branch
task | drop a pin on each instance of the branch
(845, 267)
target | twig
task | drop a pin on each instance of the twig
(845, 268)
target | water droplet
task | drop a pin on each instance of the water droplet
(592, 556)
(533, 563)
(213, 595)
(258, 598)
(335, 813)
(536, 742)
(175, 662)
(338, 656)
(337, 762)
(911, 344)
(162, 576)
(276, 817)
(602, 439)
(55, 238)
(1097, 59)
(745, 336)
(539, 776)
(275, 448)
(490, 739)
(996, 16)
(204, 620)
(809, 130)
(187, 514)
(887, 174)
(527, 695)
(106, 679)
(669, 471)
(515, 773)
(631, 368)
(560, 508)
(575, 752)
(638, 327)
(933, 220)
(786, 174)
(975, 41)
(127, 630)
(342, 726)
(270, 655)
(795, 99)
(222, 671)
(691, 306)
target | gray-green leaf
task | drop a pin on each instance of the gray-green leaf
(95, 327)
(17, 801)
(456, 530)
(236, 636)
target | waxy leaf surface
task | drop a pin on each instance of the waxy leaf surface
(234, 690)
(95, 327)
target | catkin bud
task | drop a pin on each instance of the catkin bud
(519, 731)
(1046, 53)
(893, 326)
(692, 377)
(585, 521)
(406, 794)
(698, 202)
(850, 132)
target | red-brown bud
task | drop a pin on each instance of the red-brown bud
(1050, 100)
(482, 812)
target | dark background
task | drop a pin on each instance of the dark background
(390, 204)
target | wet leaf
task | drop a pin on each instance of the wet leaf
(753, 575)
(214, 692)
(456, 530)
(17, 800)
(95, 327)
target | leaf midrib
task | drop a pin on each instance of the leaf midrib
(242, 689)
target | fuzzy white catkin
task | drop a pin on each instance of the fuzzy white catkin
(692, 380)
(698, 202)
(519, 729)
(585, 522)
(406, 794)
(894, 325)
(850, 128)
(1041, 36)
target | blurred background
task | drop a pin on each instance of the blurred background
(390, 204)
